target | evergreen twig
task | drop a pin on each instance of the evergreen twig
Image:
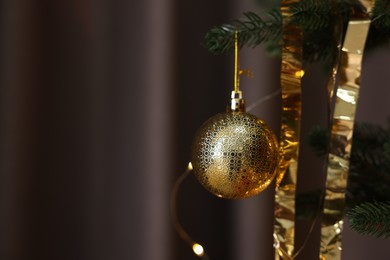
(381, 14)
(371, 218)
(253, 30)
(317, 18)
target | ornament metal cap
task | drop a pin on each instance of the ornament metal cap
(237, 103)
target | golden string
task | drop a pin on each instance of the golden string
(237, 103)
(286, 180)
(342, 125)
(236, 65)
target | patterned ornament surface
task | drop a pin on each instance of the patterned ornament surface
(235, 155)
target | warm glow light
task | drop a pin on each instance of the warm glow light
(299, 73)
(198, 249)
(189, 167)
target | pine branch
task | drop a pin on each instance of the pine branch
(253, 30)
(369, 146)
(312, 14)
(381, 14)
(369, 176)
(380, 30)
(371, 219)
(317, 18)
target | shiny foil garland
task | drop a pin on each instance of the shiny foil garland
(286, 180)
(343, 121)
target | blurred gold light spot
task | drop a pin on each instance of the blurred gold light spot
(189, 167)
(299, 73)
(198, 249)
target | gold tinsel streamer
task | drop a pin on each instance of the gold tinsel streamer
(347, 95)
(286, 180)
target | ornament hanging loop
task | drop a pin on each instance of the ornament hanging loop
(237, 103)
(236, 63)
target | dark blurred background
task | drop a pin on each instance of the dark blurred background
(99, 101)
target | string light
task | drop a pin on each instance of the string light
(299, 74)
(189, 167)
(198, 249)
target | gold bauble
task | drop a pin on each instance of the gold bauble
(235, 155)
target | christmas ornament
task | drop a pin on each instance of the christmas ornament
(343, 122)
(286, 180)
(235, 154)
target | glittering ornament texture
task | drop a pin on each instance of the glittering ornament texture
(343, 121)
(235, 155)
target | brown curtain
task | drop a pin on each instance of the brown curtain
(99, 101)
(86, 129)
